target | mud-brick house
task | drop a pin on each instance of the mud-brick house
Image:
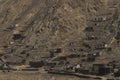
(100, 69)
(91, 58)
(99, 19)
(88, 37)
(17, 37)
(80, 68)
(73, 56)
(55, 51)
(117, 73)
(117, 36)
(101, 46)
(1, 64)
(60, 59)
(36, 64)
(14, 60)
(89, 29)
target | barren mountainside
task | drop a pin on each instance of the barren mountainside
(44, 24)
(51, 30)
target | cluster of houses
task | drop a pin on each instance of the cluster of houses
(83, 60)
(86, 63)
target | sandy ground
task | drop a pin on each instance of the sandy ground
(36, 76)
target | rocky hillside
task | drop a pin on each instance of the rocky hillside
(35, 29)
(37, 26)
